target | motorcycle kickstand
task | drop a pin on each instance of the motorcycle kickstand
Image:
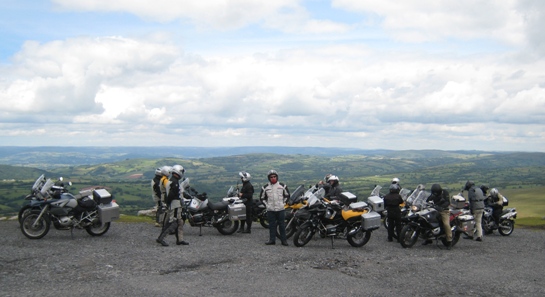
(200, 230)
(72, 232)
(332, 239)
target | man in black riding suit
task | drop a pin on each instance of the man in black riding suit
(476, 205)
(440, 199)
(392, 202)
(174, 196)
(335, 190)
(247, 196)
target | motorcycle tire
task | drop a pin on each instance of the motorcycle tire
(408, 236)
(22, 212)
(487, 224)
(98, 229)
(32, 230)
(360, 238)
(227, 227)
(264, 222)
(303, 235)
(455, 237)
(290, 230)
(506, 227)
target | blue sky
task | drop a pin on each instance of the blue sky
(343, 73)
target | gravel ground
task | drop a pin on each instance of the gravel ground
(127, 261)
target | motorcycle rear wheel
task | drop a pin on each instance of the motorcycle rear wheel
(360, 238)
(455, 237)
(39, 230)
(506, 227)
(264, 222)
(227, 227)
(303, 235)
(408, 236)
(98, 229)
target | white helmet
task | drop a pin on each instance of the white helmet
(244, 175)
(158, 171)
(494, 192)
(333, 178)
(165, 170)
(395, 180)
(179, 170)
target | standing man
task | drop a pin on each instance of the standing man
(174, 202)
(392, 202)
(440, 199)
(274, 195)
(157, 196)
(476, 205)
(247, 196)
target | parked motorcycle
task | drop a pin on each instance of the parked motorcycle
(92, 210)
(506, 224)
(354, 222)
(223, 215)
(424, 221)
(297, 200)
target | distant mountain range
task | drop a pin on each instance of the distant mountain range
(59, 156)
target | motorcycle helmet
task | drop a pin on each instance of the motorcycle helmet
(165, 170)
(394, 188)
(333, 178)
(395, 180)
(272, 172)
(179, 170)
(158, 171)
(436, 189)
(484, 188)
(245, 176)
(469, 184)
(494, 192)
(326, 177)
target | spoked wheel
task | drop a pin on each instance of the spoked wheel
(23, 212)
(506, 227)
(35, 228)
(98, 229)
(227, 227)
(303, 235)
(360, 238)
(409, 236)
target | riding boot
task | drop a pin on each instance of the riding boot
(241, 229)
(170, 228)
(248, 227)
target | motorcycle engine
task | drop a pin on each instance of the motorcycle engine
(65, 221)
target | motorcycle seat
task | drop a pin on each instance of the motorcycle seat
(218, 205)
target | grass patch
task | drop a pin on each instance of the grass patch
(135, 219)
(530, 222)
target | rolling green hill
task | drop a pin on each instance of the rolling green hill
(129, 179)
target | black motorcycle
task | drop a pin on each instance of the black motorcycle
(426, 223)
(90, 210)
(224, 215)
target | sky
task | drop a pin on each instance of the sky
(414, 74)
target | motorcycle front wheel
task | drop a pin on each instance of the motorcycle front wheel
(35, 229)
(408, 236)
(98, 229)
(359, 238)
(303, 235)
(22, 212)
(455, 237)
(264, 222)
(506, 227)
(227, 227)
